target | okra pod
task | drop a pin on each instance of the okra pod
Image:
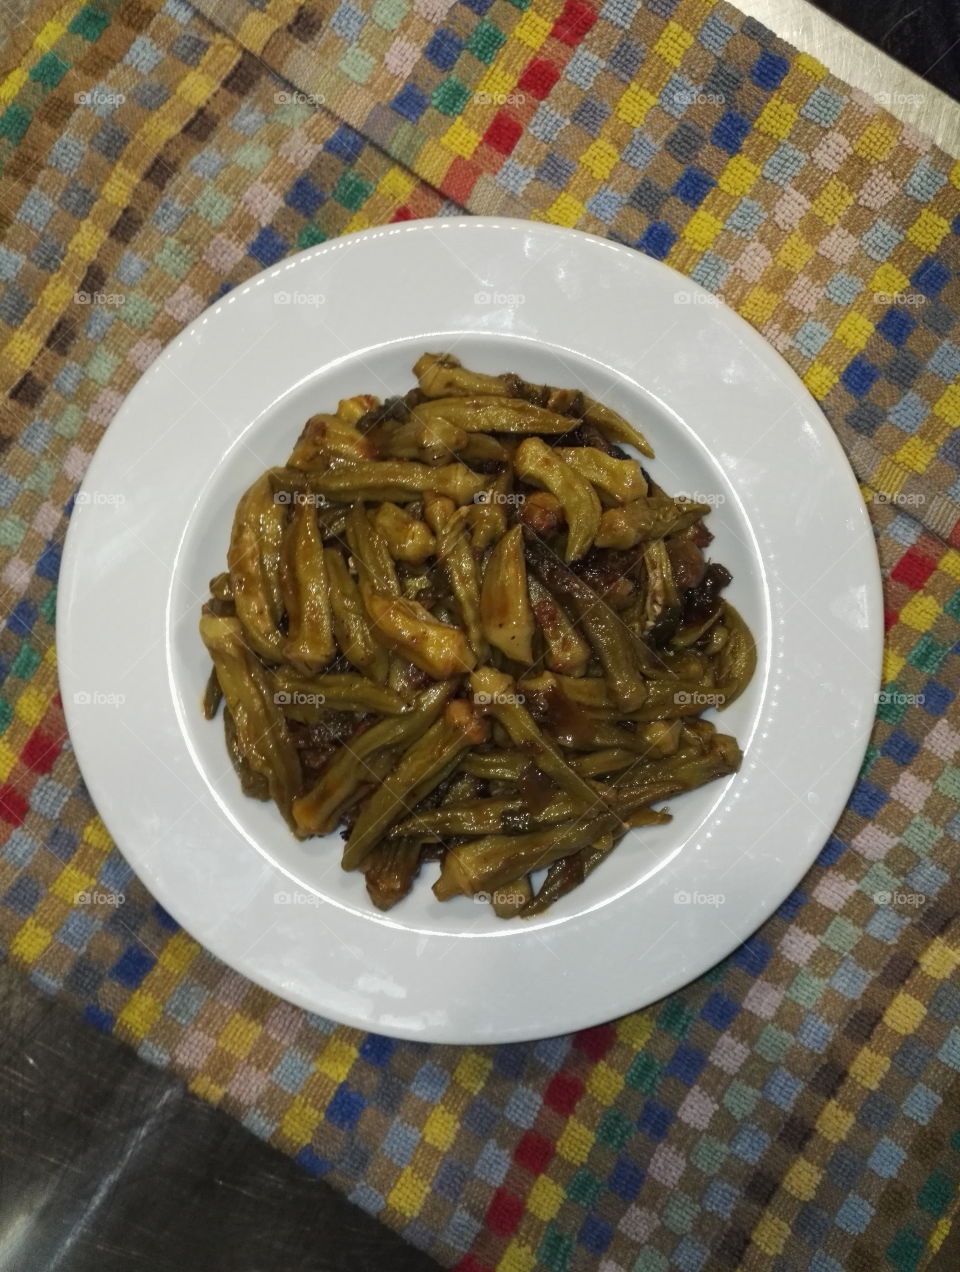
(505, 610)
(537, 463)
(253, 559)
(263, 737)
(431, 758)
(351, 626)
(316, 812)
(306, 593)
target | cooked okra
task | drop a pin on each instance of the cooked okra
(466, 627)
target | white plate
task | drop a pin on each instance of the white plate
(728, 419)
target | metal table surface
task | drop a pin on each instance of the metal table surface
(106, 1164)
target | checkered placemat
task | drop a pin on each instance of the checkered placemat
(797, 1106)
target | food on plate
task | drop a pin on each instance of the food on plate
(465, 625)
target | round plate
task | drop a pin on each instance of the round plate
(729, 421)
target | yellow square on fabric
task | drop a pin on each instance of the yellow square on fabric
(69, 882)
(532, 29)
(254, 31)
(13, 84)
(544, 1199)
(565, 210)
(440, 1128)
(893, 664)
(673, 43)
(575, 1142)
(947, 405)
(408, 1193)
(795, 252)
(738, 176)
(397, 184)
(636, 1029)
(600, 158)
(834, 1122)
(49, 34)
(206, 1088)
(8, 760)
(30, 941)
(496, 82)
(950, 563)
(701, 229)
(777, 117)
(820, 379)
(928, 230)
(770, 1234)
(472, 1071)
(300, 1121)
(876, 141)
(939, 959)
(433, 161)
(178, 953)
(802, 1180)
(809, 65)
(462, 140)
(920, 613)
(238, 1035)
(97, 835)
(915, 454)
(119, 185)
(887, 278)
(140, 1013)
(854, 330)
(604, 1083)
(759, 305)
(832, 201)
(868, 1068)
(32, 706)
(517, 1258)
(634, 105)
(905, 1012)
(336, 1059)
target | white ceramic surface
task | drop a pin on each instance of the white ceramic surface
(728, 419)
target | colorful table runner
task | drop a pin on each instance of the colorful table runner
(797, 1107)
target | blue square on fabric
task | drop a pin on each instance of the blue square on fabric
(657, 240)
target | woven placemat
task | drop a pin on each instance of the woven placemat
(796, 1107)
